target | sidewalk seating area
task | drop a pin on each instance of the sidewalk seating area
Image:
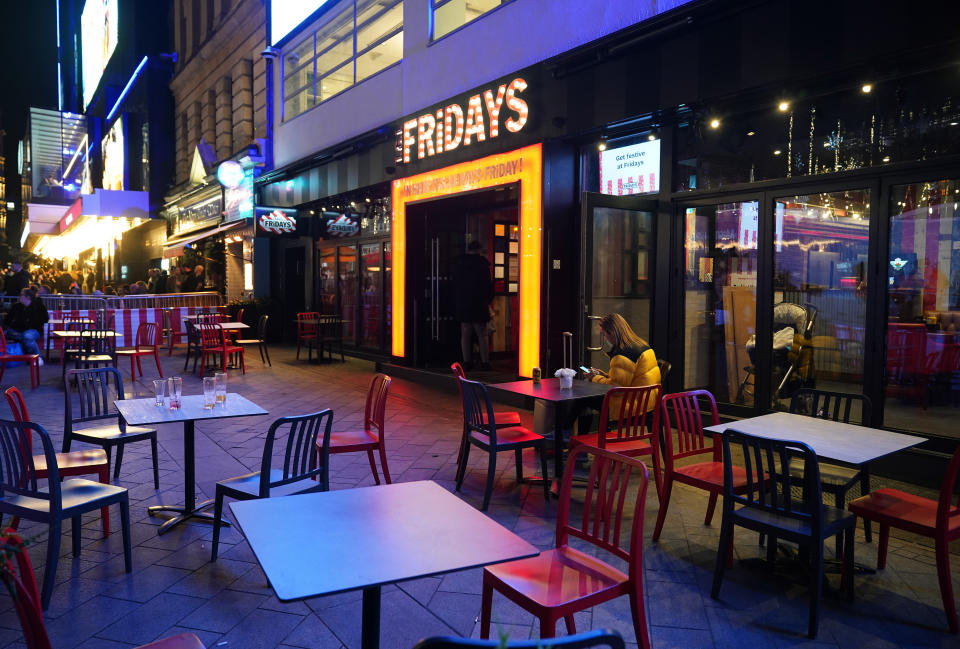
(174, 588)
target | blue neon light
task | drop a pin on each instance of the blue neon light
(286, 15)
(126, 89)
(56, 4)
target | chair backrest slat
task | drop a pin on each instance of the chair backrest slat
(375, 409)
(477, 409)
(211, 334)
(300, 461)
(637, 414)
(17, 468)
(681, 421)
(24, 586)
(262, 327)
(836, 406)
(96, 390)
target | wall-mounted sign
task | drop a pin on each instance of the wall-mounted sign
(198, 215)
(454, 126)
(276, 220)
(338, 226)
(112, 149)
(633, 169)
(98, 38)
(70, 216)
(238, 200)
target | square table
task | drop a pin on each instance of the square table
(143, 412)
(335, 541)
(833, 440)
(550, 390)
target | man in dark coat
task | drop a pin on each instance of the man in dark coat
(473, 288)
(19, 280)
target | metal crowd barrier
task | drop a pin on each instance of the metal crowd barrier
(163, 300)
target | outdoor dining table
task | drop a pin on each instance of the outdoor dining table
(109, 333)
(581, 393)
(144, 412)
(228, 326)
(365, 538)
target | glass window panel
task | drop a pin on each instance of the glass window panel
(720, 300)
(387, 288)
(301, 55)
(383, 55)
(922, 386)
(327, 282)
(347, 268)
(456, 13)
(370, 294)
(298, 103)
(820, 299)
(336, 81)
(335, 40)
(299, 79)
(375, 21)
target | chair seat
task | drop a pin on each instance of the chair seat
(112, 431)
(558, 576)
(834, 520)
(131, 352)
(628, 447)
(249, 484)
(68, 463)
(352, 440)
(903, 510)
(75, 492)
(94, 358)
(504, 418)
(508, 436)
(831, 475)
(709, 476)
(228, 349)
(247, 341)
(18, 358)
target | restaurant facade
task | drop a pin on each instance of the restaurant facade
(767, 191)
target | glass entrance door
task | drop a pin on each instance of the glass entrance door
(618, 239)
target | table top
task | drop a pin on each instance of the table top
(76, 334)
(335, 541)
(831, 440)
(550, 390)
(60, 321)
(140, 412)
(227, 326)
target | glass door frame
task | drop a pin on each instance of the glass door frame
(634, 202)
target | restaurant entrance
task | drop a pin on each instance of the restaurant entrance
(617, 260)
(438, 232)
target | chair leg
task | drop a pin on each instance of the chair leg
(816, 587)
(373, 466)
(542, 452)
(383, 464)
(103, 475)
(882, 547)
(726, 542)
(518, 457)
(50, 570)
(75, 524)
(116, 467)
(156, 462)
(462, 469)
(266, 353)
(125, 527)
(571, 624)
(664, 504)
(848, 565)
(486, 606)
(864, 490)
(639, 613)
(839, 500)
(243, 363)
(217, 516)
(139, 366)
(711, 506)
(548, 627)
(298, 348)
(491, 475)
(946, 584)
(156, 357)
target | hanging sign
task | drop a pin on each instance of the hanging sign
(633, 169)
(338, 226)
(276, 220)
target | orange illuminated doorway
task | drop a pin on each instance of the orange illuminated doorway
(522, 166)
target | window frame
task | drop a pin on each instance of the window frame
(439, 4)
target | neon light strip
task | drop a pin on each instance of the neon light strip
(523, 166)
(126, 89)
(56, 5)
(74, 158)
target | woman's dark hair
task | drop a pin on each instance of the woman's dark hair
(29, 292)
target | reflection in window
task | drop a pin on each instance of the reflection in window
(327, 281)
(370, 292)
(448, 15)
(720, 299)
(347, 269)
(819, 313)
(360, 39)
(922, 370)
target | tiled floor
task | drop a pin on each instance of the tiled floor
(174, 587)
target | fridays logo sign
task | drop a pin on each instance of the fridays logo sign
(276, 220)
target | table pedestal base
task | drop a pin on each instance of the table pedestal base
(184, 514)
(370, 629)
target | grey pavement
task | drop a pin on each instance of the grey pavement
(174, 587)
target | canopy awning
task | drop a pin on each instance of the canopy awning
(174, 247)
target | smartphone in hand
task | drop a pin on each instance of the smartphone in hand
(585, 370)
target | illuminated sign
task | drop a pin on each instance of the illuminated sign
(451, 127)
(276, 220)
(70, 216)
(111, 148)
(633, 169)
(230, 173)
(286, 15)
(338, 226)
(238, 200)
(98, 39)
(198, 215)
(898, 264)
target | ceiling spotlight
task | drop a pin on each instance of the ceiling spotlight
(886, 158)
(866, 88)
(751, 133)
(777, 152)
(651, 137)
(783, 106)
(714, 123)
(602, 146)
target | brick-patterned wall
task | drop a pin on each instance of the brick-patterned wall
(219, 89)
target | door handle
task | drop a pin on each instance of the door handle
(594, 349)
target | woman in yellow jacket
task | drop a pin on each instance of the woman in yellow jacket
(632, 361)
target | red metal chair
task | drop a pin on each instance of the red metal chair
(147, 344)
(86, 462)
(681, 416)
(214, 343)
(308, 331)
(369, 439)
(13, 560)
(937, 519)
(559, 582)
(32, 360)
(636, 411)
(172, 328)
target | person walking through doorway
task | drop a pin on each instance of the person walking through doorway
(473, 287)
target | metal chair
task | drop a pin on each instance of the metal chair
(836, 479)
(32, 361)
(308, 328)
(95, 349)
(173, 333)
(22, 496)
(330, 333)
(147, 344)
(564, 580)
(96, 390)
(260, 341)
(480, 429)
(305, 462)
(936, 519)
(214, 343)
(596, 638)
(635, 413)
(768, 506)
(665, 367)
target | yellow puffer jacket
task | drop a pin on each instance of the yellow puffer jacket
(626, 373)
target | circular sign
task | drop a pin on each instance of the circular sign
(230, 173)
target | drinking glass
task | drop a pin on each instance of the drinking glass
(176, 390)
(159, 387)
(209, 392)
(221, 381)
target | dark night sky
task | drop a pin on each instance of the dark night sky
(28, 73)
